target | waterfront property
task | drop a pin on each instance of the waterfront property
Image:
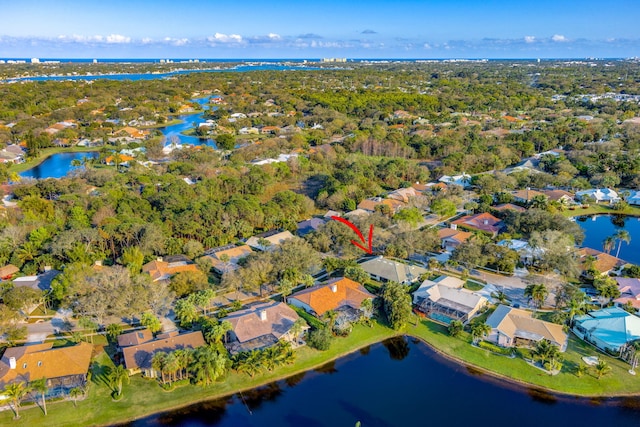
(444, 301)
(592, 259)
(598, 195)
(137, 358)
(262, 325)
(342, 295)
(608, 329)
(513, 327)
(63, 367)
(386, 270)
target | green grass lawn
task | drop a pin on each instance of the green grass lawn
(602, 209)
(472, 285)
(46, 152)
(616, 382)
(143, 396)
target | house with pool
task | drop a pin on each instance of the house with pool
(609, 329)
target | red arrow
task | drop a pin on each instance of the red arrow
(354, 228)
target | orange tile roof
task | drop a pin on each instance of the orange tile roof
(483, 222)
(323, 298)
(139, 356)
(603, 262)
(42, 361)
(163, 270)
(449, 233)
(135, 338)
(8, 270)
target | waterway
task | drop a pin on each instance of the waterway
(57, 165)
(400, 382)
(597, 228)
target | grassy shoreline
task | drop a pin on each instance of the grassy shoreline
(143, 397)
(45, 153)
(602, 210)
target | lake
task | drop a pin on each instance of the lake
(56, 165)
(400, 382)
(597, 228)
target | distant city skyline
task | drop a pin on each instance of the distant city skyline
(289, 29)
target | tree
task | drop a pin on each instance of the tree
(113, 330)
(116, 377)
(320, 338)
(208, 365)
(151, 322)
(607, 289)
(40, 386)
(16, 392)
(608, 244)
(74, 393)
(536, 293)
(478, 330)
(546, 351)
(356, 273)
(133, 258)
(455, 328)
(225, 141)
(443, 208)
(187, 282)
(602, 368)
(621, 236)
(397, 304)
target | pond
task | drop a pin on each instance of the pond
(597, 228)
(56, 165)
(400, 382)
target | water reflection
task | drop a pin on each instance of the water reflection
(327, 368)
(542, 396)
(398, 347)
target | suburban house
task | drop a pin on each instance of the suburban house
(451, 238)
(608, 329)
(387, 270)
(137, 358)
(603, 262)
(7, 272)
(133, 132)
(163, 269)
(598, 195)
(629, 291)
(226, 258)
(560, 196)
(342, 295)
(484, 222)
(370, 204)
(463, 180)
(138, 337)
(508, 206)
(269, 241)
(525, 196)
(261, 325)
(513, 327)
(528, 255)
(63, 367)
(309, 226)
(444, 300)
(403, 194)
(633, 198)
(40, 282)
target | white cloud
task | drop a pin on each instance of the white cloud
(117, 39)
(225, 38)
(559, 38)
(176, 42)
(274, 36)
(529, 39)
(426, 46)
(147, 40)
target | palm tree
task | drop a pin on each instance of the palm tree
(602, 368)
(478, 330)
(16, 392)
(581, 369)
(537, 293)
(41, 387)
(608, 244)
(74, 393)
(455, 327)
(159, 363)
(299, 326)
(209, 365)
(116, 377)
(172, 366)
(622, 236)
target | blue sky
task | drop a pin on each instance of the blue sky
(307, 29)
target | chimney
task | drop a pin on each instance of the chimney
(334, 288)
(263, 315)
(12, 362)
(98, 262)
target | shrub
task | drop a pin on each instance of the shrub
(320, 339)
